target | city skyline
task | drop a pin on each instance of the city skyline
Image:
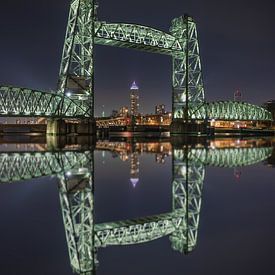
(128, 106)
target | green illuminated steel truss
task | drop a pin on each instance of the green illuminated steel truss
(188, 178)
(75, 171)
(136, 37)
(228, 110)
(75, 91)
(188, 90)
(16, 166)
(76, 77)
(77, 204)
(226, 157)
(32, 103)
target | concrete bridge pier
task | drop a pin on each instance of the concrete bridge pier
(189, 127)
(78, 127)
(56, 127)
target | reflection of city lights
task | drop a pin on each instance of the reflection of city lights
(134, 181)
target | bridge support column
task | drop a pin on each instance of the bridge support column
(188, 177)
(197, 127)
(56, 127)
(77, 204)
(80, 127)
(188, 90)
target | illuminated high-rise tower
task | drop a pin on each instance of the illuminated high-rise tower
(134, 169)
(134, 99)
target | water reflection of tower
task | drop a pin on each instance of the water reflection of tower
(134, 172)
(134, 97)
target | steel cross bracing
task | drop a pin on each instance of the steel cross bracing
(188, 90)
(188, 177)
(32, 103)
(137, 37)
(229, 110)
(77, 200)
(226, 157)
(76, 77)
(16, 166)
(136, 230)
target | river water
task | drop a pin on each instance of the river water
(137, 206)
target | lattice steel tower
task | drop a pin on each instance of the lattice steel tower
(188, 90)
(76, 77)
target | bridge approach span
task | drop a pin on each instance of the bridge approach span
(16, 166)
(23, 102)
(227, 110)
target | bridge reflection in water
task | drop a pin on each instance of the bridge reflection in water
(75, 170)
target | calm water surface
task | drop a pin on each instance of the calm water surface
(138, 207)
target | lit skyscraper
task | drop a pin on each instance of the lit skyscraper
(134, 169)
(134, 96)
(160, 109)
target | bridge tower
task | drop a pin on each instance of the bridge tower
(76, 76)
(188, 89)
(188, 177)
(77, 205)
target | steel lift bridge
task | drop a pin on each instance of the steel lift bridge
(75, 173)
(74, 97)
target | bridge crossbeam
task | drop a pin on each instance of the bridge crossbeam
(137, 231)
(137, 37)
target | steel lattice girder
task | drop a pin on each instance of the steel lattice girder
(15, 166)
(136, 231)
(32, 103)
(28, 165)
(227, 157)
(227, 110)
(136, 37)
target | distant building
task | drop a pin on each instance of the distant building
(160, 109)
(164, 119)
(114, 113)
(238, 96)
(270, 106)
(134, 97)
(124, 111)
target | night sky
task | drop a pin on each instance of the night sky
(237, 45)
